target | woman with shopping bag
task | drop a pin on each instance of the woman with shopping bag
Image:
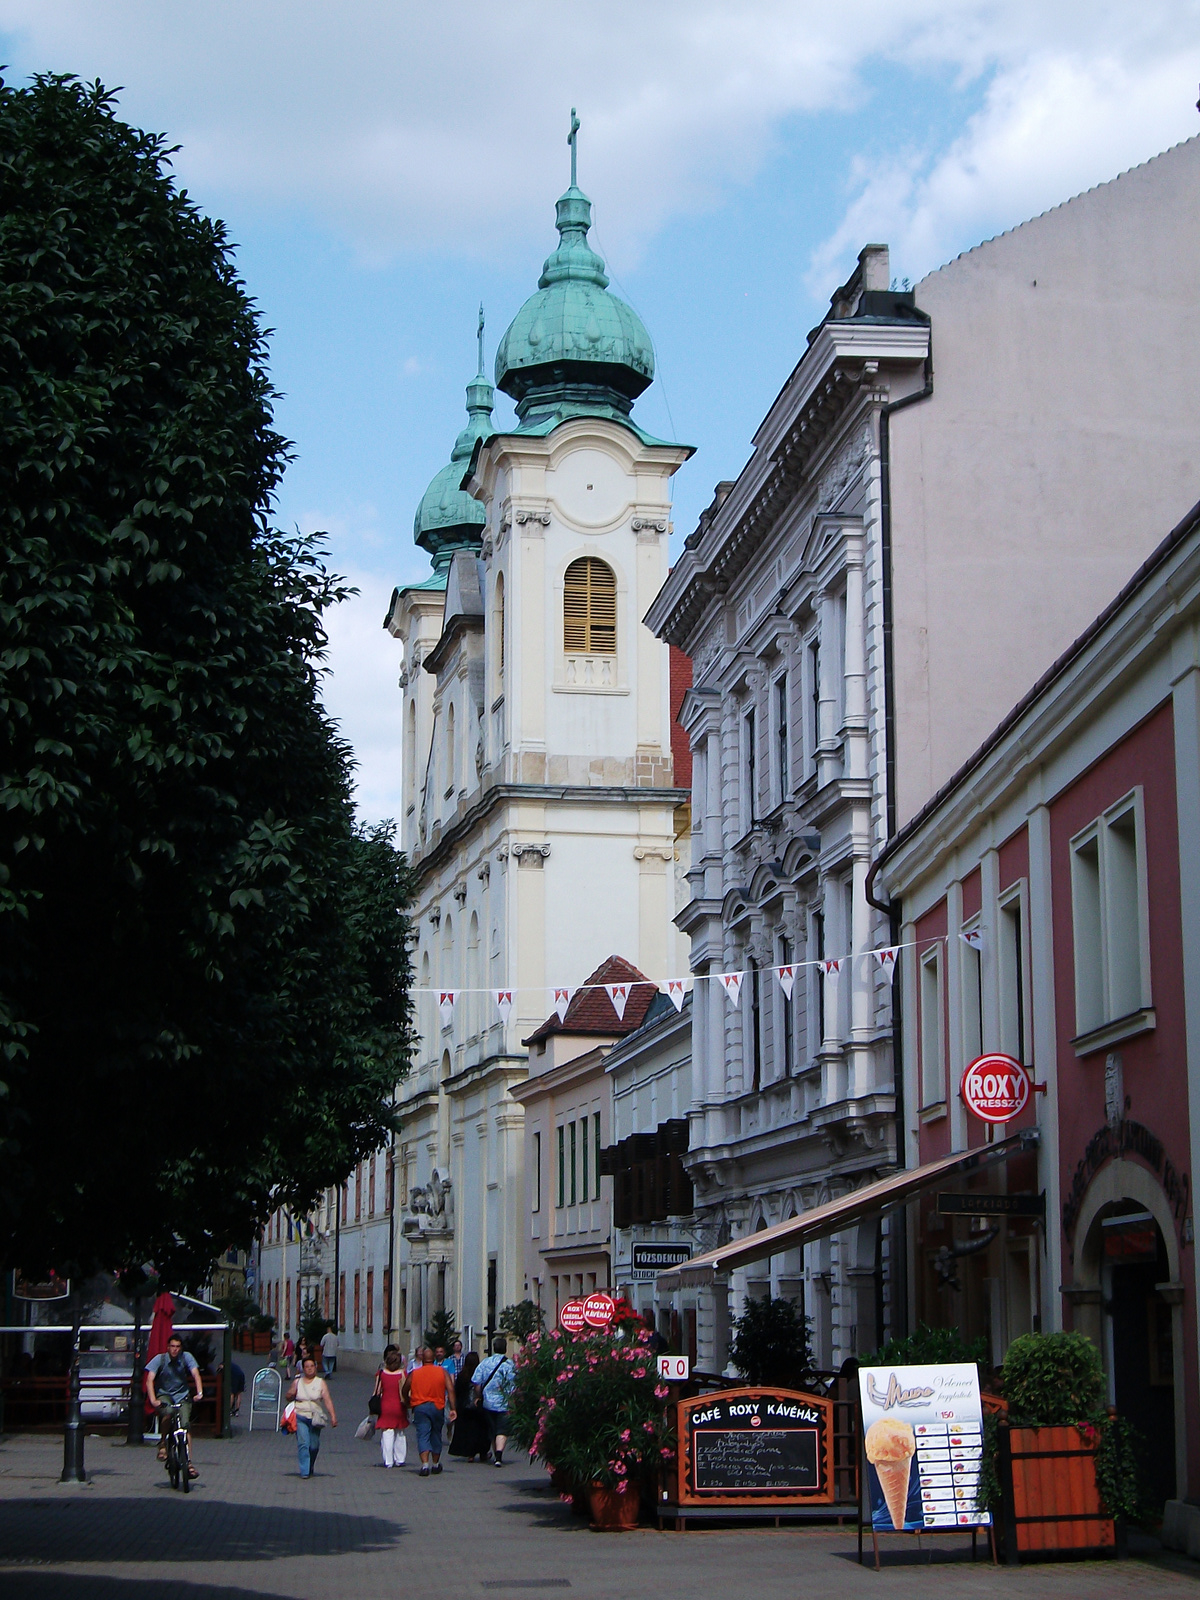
(314, 1408)
(392, 1418)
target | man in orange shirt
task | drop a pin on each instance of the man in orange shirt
(429, 1394)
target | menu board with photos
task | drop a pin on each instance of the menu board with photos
(923, 1446)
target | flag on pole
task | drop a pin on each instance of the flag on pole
(973, 937)
(886, 957)
(562, 999)
(673, 989)
(732, 982)
(787, 978)
(618, 993)
(503, 1002)
(446, 1006)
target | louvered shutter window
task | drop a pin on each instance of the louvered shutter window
(589, 609)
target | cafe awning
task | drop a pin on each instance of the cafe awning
(838, 1214)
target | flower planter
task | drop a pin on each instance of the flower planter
(1052, 1504)
(613, 1512)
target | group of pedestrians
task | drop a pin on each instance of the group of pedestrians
(444, 1394)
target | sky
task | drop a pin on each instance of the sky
(385, 167)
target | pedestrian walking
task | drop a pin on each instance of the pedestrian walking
(393, 1417)
(287, 1354)
(494, 1378)
(470, 1436)
(329, 1350)
(314, 1409)
(429, 1395)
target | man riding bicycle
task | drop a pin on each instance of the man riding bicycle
(175, 1373)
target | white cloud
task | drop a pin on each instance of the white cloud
(411, 127)
(362, 692)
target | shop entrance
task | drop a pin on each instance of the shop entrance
(1140, 1337)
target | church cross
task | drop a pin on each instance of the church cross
(572, 140)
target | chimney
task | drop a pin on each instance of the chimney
(873, 266)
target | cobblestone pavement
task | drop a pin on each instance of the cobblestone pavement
(253, 1527)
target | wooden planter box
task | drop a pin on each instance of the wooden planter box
(1051, 1502)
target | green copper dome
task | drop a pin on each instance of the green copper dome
(448, 518)
(574, 348)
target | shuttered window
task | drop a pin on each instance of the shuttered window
(589, 609)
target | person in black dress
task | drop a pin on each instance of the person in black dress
(470, 1435)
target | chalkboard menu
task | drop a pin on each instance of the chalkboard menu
(755, 1446)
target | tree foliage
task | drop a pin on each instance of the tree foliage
(770, 1343)
(203, 966)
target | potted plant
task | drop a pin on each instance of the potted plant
(590, 1405)
(1061, 1466)
(770, 1344)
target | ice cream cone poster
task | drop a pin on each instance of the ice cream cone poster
(922, 1446)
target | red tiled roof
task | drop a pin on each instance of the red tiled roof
(681, 750)
(591, 1011)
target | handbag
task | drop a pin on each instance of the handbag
(287, 1422)
(375, 1405)
(365, 1429)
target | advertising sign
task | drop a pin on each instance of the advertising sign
(755, 1446)
(674, 1369)
(995, 1087)
(649, 1260)
(923, 1443)
(599, 1310)
(570, 1316)
(51, 1288)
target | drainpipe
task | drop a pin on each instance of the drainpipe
(890, 910)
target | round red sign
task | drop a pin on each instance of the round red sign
(599, 1310)
(570, 1316)
(995, 1087)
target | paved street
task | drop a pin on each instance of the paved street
(253, 1527)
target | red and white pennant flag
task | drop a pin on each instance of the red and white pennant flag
(973, 937)
(562, 999)
(886, 957)
(787, 978)
(446, 1006)
(732, 984)
(673, 989)
(831, 968)
(618, 993)
(503, 1002)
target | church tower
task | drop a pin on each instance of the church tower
(541, 803)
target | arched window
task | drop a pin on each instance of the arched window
(500, 627)
(451, 753)
(410, 754)
(589, 609)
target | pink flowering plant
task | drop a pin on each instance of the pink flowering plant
(591, 1406)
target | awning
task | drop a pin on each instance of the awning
(838, 1214)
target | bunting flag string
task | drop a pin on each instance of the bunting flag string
(731, 982)
(446, 1006)
(673, 989)
(618, 993)
(786, 977)
(831, 968)
(562, 999)
(886, 957)
(973, 937)
(503, 1003)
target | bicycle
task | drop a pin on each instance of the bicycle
(179, 1462)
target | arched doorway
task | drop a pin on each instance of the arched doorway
(1128, 1299)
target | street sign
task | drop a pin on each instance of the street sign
(599, 1310)
(649, 1260)
(674, 1369)
(995, 1087)
(570, 1317)
(993, 1205)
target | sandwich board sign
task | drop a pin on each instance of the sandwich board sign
(744, 1447)
(923, 1444)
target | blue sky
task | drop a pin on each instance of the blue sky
(384, 167)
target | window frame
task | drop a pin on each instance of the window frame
(1098, 836)
(932, 1029)
(591, 596)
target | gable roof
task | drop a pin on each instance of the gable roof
(591, 1011)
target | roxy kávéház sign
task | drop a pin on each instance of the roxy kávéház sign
(755, 1446)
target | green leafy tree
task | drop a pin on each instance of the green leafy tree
(313, 1323)
(770, 1343)
(441, 1331)
(929, 1346)
(522, 1319)
(203, 968)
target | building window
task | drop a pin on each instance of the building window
(596, 1155)
(754, 1024)
(345, 1200)
(537, 1172)
(358, 1192)
(341, 1312)
(325, 1301)
(451, 756)
(785, 1063)
(933, 1033)
(589, 609)
(357, 1301)
(385, 1304)
(287, 1302)
(972, 998)
(573, 1153)
(1109, 912)
(389, 1181)
(814, 672)
(1011, 963)
(585, 1188)
(781, 735)
(371, 1191)
(750, 765)
(562, 1165)
(817, 976)
(500, 627)
(371, 1300)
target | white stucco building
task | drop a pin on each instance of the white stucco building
(541, 807)
(947, 488)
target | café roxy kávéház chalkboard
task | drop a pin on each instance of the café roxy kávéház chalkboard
(755, 1446)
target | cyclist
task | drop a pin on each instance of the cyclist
(175, 1372)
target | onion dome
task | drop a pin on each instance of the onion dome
(574, 349)
(448, 518)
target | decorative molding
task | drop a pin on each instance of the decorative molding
(435, 916)
(484, 874)
(460, 893)
(649, 525)
(644, 852)
(529, 854)
(522, 517)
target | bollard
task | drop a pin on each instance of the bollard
(73, 1468)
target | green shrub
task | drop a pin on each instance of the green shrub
(1052, 1379)
(770, 1344)
(927, 1346)
(521, 1320)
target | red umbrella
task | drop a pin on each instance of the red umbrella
(162, 1325)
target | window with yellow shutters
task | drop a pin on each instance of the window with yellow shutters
(589, 609)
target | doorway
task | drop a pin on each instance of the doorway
(1141, 1349)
